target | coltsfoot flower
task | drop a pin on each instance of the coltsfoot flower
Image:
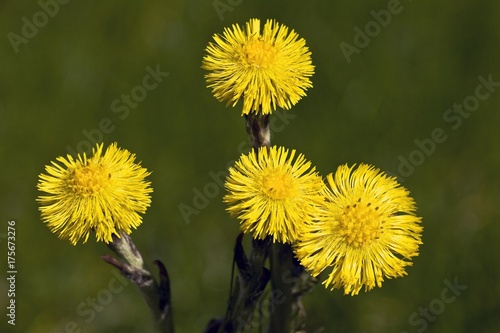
(104, 193)
(366, 231)
(266, 69)
(273, 195)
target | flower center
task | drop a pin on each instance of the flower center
(259, 53)
(278, 184)
(360, 224)
(89, 179)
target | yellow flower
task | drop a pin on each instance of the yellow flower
(266, 69)
(367, 230)
(273, 195)
(104, 193)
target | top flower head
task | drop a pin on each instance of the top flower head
(266, 68)
(103, 193)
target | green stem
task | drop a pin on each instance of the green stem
(156, 294)
(281, 295)
(250, 283)
(289, 281)
(257, 126)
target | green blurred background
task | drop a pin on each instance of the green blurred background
(64, 79)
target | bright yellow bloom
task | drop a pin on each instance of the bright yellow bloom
(273, 195)
(366, 231)
(104, 193)
(265, 68)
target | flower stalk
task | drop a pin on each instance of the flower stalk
(155, 293)
(290, 281)
(249, 285)
(257, 126)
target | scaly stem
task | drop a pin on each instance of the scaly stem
(289, 281)
(257, 126)
(156, 294)
(248, 287)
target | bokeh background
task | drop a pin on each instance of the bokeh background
(396, 89)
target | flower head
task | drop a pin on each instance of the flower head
(104, 193)
(265, 68)
(273, 195)
(366, 231)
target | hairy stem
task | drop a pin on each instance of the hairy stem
(155, 293)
